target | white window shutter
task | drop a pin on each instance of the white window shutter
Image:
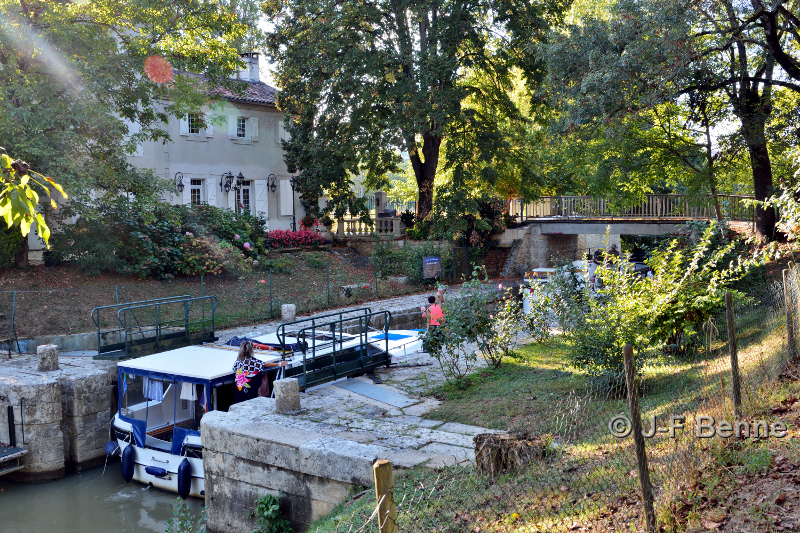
(281, 132)
(209, 126)
(262, 198)
(211, 185)
(185, 126)
(286, 198)
(253, 125)
(232, 126)
(186, 195)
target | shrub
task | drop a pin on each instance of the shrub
(10, 241)
(408, 218)
(309, 221)
(293, 239)
(499, 335)
(420, 231)
(537, 321)
(316, 260)
(407, 260)
(268, 516)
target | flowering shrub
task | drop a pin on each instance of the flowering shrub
(309, 221)
(290, 239)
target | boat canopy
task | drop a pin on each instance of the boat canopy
(202, 365)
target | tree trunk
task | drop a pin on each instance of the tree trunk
(717, 208)
(753, 128)
(425, 172)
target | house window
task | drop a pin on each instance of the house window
(243, 197)
(196, 192)
(194, 124)
(241, 127)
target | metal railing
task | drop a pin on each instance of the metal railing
(170, 326)
(654, 206)
(340, 356)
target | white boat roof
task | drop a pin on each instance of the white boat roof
(198, 362)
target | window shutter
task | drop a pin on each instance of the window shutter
(209, 126)
(211, 185)
(262, 198)
(185, 125)
(232, 126)
(286, 198)
(253, 125)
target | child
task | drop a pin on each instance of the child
(434, 316)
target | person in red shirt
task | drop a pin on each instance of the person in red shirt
(434, 316)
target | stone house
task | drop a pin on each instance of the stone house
(243, 139)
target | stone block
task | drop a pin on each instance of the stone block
(407, 458)
(288, 312)
(48, 357)
(287, 395)
(86, 394)
(463, 429)
(341, 460)
(460, 454)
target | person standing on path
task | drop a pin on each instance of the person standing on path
(434, 315)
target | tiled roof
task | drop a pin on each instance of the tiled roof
(257, 92)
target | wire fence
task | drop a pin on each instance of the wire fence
(578, 468)
(313, 281)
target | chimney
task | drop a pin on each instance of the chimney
(251, 71)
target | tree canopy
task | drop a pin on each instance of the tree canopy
(363, 81)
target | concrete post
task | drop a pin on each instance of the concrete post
(381, 198)
(384, 493)
(287, 395)
(340, 229)
(288, 312)
(48, 357)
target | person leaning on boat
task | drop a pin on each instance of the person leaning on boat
(251, 378)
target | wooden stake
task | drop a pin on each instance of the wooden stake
(789, 302)
(384, 493)
(638, 440)
(735, 382)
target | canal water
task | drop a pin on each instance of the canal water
(85, 503)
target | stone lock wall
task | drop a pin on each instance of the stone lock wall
(247, 454)
(61, 416)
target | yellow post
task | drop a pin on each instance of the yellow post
(384, 492)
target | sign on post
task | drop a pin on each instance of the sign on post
(431, 267)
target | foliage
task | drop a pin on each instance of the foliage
(467, 220)
(10, 241)
(268, 516)
(537, 321)
(184, 521)
(408, 218)
(316, 260)
(420, 231)
(407, 260)
(309, 221)
(74, 81)
(278, 264)
(160, 240)
(465, 318)
(19, 198)
(566, 292)
(279, 238)
(497, 337)
(363, 82)
(689, 282)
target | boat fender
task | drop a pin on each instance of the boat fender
(156, 471)
(112, 448)
(127, 463)
(184, 478)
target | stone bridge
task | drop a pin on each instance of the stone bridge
(571, 226)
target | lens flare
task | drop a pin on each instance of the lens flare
(158, 69)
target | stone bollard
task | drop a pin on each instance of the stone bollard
(287, 395)
(288, 312)
(48, 357)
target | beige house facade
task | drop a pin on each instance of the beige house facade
(241, 142)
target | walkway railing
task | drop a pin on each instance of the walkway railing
(654, 206)
(387, 227)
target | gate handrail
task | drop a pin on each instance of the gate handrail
(281, 330)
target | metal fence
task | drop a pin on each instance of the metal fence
(313, 281)
(654, 206)
(581, 477)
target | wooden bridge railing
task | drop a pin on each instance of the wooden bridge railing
(654, 206)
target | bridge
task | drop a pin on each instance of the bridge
(572, 226)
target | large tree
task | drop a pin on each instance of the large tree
(363, 80)
(74, 76)
(644, 53)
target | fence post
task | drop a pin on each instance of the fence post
(789, 302)
(270, 294)
(384, 494)
(328, 281)
(375, 264)
(12, 430)
(638, 440)
(735, 382)
(11, 330)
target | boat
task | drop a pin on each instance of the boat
(163, 396)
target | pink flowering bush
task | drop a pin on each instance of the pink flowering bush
(292, 239)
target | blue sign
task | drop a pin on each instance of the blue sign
(431, 267)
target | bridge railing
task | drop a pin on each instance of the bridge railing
(654, 206)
